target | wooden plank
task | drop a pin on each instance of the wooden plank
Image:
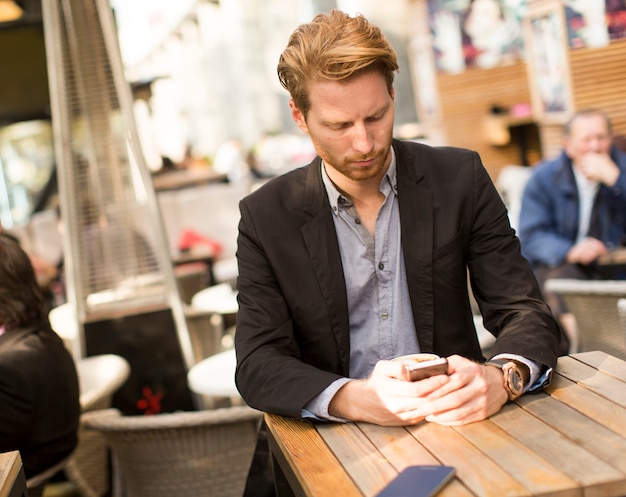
(12, 482)
(601, 383)
(360, 459)
(401, 449)
(530, 469)
(585, 432)
(602, 410)
(478, 472)
(603, 362)
(297, 440)
(579, 464)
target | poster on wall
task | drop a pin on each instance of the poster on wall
(548, 63)
(476, 33)
(616, 18)
(594, 23)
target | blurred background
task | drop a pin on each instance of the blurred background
(206, 92)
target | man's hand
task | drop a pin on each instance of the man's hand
(586, 251)
(472, 393)
(386, 397)
(598, 167)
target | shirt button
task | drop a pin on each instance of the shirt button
(381, 266)
(357, 221)
(384, 315)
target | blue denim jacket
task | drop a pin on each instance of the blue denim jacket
(548, 224)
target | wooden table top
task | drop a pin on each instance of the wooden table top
(569, 440)
(12, 480)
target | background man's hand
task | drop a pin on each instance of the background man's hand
(586, 251)
(598, 167)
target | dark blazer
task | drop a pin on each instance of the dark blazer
(292, 336)
(39, 398)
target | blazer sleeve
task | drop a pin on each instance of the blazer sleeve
(281, 363)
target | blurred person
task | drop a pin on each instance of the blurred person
(47, 274)
(39, 395)
(362, 256)
(574, 207)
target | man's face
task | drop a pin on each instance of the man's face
(588, 134)
(350, 125)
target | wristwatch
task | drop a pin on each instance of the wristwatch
(516, 375)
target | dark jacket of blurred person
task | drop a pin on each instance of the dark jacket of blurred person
(39, 394)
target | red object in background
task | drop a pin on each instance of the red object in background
(150, 403)
(190, 239)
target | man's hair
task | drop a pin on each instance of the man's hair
(334, 47)
(21, 300)
(567, 129)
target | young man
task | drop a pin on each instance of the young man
(362, 256)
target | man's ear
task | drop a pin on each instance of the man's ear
(298, 117)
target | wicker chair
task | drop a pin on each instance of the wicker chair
(594, 305)
(200, 453)
(36, 484)
(100, 376)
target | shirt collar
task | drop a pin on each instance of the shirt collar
(387, 183)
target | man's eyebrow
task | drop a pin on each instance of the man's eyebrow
(382, 110)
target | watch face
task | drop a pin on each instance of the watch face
(514, 380)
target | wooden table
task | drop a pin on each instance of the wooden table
(569, 440)
(12, 479)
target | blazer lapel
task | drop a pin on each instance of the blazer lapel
(415, 202)
(323, 247)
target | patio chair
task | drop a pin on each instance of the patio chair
(201, 453)
(36, 484)
(594, 305)
(99, 377)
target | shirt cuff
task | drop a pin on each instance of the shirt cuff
(539, 374)
(317, 407)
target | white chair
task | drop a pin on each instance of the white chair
(510, 183)
(219, 299)
(63, 322)
(99, 377)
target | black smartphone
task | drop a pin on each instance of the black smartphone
(418, 481)
(425, 369)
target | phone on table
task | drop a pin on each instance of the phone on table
(425, 369)
(418, 481)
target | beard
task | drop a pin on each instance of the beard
(353, 167)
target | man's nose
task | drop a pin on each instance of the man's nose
(362, 140)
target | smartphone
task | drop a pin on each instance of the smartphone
(418, 481)
(425, 369)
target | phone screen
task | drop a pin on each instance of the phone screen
(418, 481)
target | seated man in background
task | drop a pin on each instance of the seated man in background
(574, 207)
(39, 395)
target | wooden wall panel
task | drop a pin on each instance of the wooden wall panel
(466, 101)
(599, 80)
